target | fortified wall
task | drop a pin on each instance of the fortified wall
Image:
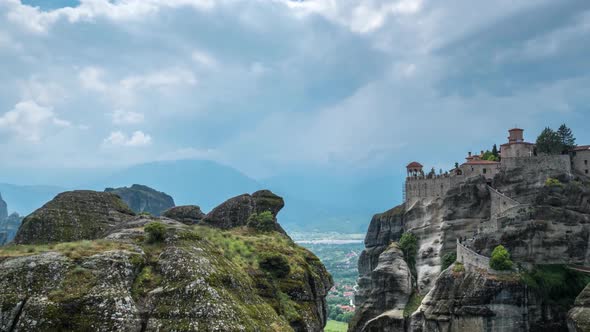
(430, 188)
(500, 202)
(539, 163)
(471, 259)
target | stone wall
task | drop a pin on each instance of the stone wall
(420, 188)
(500, 202)
(539, 163)
(470, 258)
(581, 162)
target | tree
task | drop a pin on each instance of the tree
(495, 152)
(549, 142)
(448, 259)
(566, 137)
(489, 155)
(456, 165)
(500, 259)
(408, 243)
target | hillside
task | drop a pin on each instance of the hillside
(94, 265)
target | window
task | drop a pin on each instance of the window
(586, 171)
(585, 162)
(485, 171)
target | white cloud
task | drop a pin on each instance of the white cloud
(121, 117)
(137, 139)
(30, 121)
(203, 58)
(159, 79)
(92, 79)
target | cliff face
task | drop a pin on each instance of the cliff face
(144, 199)
(188, 278)
(538, 223)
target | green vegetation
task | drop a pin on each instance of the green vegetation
(275, 264)
(448, 259)
(408, 243)
(263, 222)
(413, 303)
(458, 267)
(73, 250)
(334, 326)
(500, 259)
(556, 283)
(551, 182)
(556, 142)
(490, 155)
(145, 281)
(156, 232)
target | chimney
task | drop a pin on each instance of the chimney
(469, 153)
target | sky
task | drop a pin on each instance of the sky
(275, 87)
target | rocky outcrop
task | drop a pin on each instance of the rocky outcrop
(236, 211)
(72, 216)
(9, 227)
(579, 315)
(390, 287)
(186, 214)
(143, 199)
(477, 300)
(3, 210)
(545, 223)
(192, 278)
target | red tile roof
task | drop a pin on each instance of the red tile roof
(481, 162)
(581, 148)
(414, 164)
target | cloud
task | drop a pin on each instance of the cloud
(137, 139)
(272, 86)
(121, 117)
(31, 121)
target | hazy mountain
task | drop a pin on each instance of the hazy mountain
(314, 201)
(26, 199)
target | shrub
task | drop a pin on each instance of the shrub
(500, 259)
(448, 260)
(156, 231)
(551, 182)
(275, 264)
(458, 267)
(556, 283)
(263, 222)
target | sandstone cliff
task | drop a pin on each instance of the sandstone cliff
(539, 223)
(144, 199)
(124, 278)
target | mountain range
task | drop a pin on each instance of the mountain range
(317, 202)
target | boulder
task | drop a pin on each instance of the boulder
(235, 211)
(186, 214)
(142, 198)
(72, 216)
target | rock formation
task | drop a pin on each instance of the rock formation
(3, 210)
(190, 278)
(579, 316)
(144, 199)
(72, 216)
(537, 221)
(186, 214)
(235, 211)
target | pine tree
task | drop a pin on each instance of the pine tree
(495, 151)
(549, 142)
(568, 141)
